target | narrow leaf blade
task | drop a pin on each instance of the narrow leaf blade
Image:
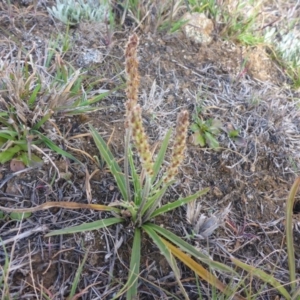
(289, 232)
(110, 161)
(134, 270)
(186, 247)
(86, 226)
(166, 253)
(172, 205)
(161, 155)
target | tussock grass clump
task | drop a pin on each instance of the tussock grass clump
(32, 96)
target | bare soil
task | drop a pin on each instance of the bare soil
(253, 172)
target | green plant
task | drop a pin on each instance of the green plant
(234, 133)
(236, 21)
(240, 23)
(153, 15)
(286, 51)
(143, 195)
(72, 12)
(31, 96)
(205, 132)
(211, 7)
(59, 44)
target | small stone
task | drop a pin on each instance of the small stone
(16, 165)
(89, 56)
(198, 28)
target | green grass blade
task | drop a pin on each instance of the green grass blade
(86, 226)
(172, 205)
(166, 253)
(289, 232)
(77, 276)
(135, 261)
(53, 147)
(8, 154)
(42, 121)
(33, 96)
(211, 140)
(161, 155)
(111, 162)
(8, 134)
(135, 179)
(19, 216)
(263, 276)
(151, 200)
(103, 95)
(186, 247)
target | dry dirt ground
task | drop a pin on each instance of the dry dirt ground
(253, 172)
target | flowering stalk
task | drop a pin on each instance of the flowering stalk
(131, 68)
(133, 80)
(141, 140)
(178, 147)
(176, 159)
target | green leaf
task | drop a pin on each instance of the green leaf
(211, 141)
(186, 247)
(32, 98)
(1, 215)
(199, 139)
(86, 226)
(53, 147)
(194, 127)
(234, 133)
(111, 162)
(172, 205)
(35, 160)
(2, 141)
(135, 179)
(42, 121)
(165, 252)
(19, 216)
(289, 231)
(8, 135)
(134, 268)
(77, 277)
(101, 96)
(161, 155)
(214, 126)
(151, 200)
(8, 154)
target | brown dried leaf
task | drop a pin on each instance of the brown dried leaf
(16, 165)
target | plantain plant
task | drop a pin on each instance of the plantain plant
(205, 132)
(143, 193)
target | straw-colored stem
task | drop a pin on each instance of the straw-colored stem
(289, 232)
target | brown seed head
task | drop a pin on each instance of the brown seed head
(179, 146)
(140, 139)
(131, 68)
